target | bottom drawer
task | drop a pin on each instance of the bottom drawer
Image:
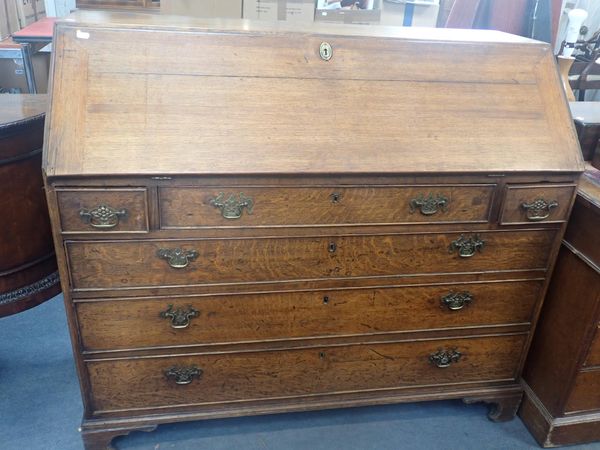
(147, 382)
(585, 395)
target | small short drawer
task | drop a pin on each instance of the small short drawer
(89, 210)
(247, 206)
(536, 203)
(585, 395)
(593, 358)
(206, 320)
(176, 381)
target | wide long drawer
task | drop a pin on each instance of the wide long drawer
(132, 324)
(172, 381)
(239, 206)
(147, 263)
(585, 395)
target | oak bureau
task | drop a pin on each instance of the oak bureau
(252, 218)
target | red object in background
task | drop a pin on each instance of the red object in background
(40, 31)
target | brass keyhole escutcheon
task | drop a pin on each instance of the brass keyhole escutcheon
(325, 51)
(332, 247)
(326, 300)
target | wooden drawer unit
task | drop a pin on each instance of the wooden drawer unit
(243, 206)
(191, 380)
(282, 220)
(169, 322)
(585, 395)
(562, 373)
(535, 204)
(103, 210)
(129, 264)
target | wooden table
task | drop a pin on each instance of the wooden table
(28, 273)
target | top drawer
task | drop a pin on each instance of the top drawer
(242, 206)
(88, 210)
(537, 203)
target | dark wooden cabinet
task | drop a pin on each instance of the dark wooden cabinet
(247, 224)
(28, 272)
(562, 374)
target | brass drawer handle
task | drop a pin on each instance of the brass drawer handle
(176, 257)
(444, 358)
(539, 209)
(429, 205)
(456, 301)
(180, 318)
(466, 247)
(233, 207)
(183, 375)
(103, 216)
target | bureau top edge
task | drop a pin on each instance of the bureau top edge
(161, 22)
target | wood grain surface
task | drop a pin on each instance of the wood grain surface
(130, 264)
(141, 383)
(129, 324)
(336, 205)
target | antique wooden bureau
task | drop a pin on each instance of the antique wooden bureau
(252, 218)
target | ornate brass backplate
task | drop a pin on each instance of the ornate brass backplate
(232, 207)
(457, 300)
(183, 375)
(429, 205)
(180, 317)
(102, 216)
(177, 258)
(539, 209)
(466, 246)
(444, 358)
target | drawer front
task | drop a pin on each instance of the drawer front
(535, 204)
(103, 210)
(585, 395)
(297, 206)
(593, 358)
(143, 383)
(147, 263)
(130, 324)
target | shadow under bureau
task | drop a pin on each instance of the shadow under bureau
(251, 218)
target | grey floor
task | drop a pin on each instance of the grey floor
(40, 408)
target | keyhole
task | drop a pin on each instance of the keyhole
(322, 355)
(332, 247)
(335, 197)
(326, 300)
(325, 51)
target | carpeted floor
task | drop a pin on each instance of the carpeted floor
(40, 408)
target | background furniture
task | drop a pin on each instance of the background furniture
(586, 116)
(28, 274)
(150, 5)
(562, 374)
(280, 221)
(9, 49)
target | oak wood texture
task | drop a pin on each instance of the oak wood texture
(253, 101)
(133, 201)
(136, 264)
(323, 370)
(517, 196)
(129, 324)
(563, 386)
(313, 206)
(28, 272)
(314, 281)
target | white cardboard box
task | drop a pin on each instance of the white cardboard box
(301, 11)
